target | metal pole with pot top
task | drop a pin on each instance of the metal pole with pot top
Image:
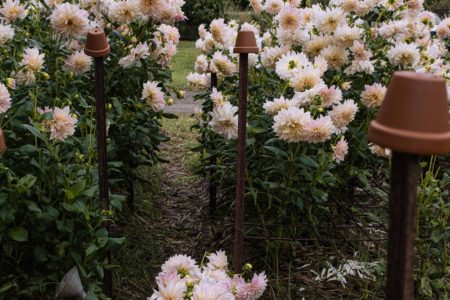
(412, 121)
(213, 161)
(97, 47)
(2, 142)
(245, 44)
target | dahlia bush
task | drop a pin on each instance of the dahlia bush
(316, 84)
(50, 217)
(182, 278)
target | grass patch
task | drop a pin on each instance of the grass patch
(182, 140)
(183, 63)
(240, 16)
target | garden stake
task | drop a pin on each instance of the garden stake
(213, 162)
(245, 44)
(97, 46)
(2, 142)
(412, 121)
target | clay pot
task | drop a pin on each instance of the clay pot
(414, 115)
(246, 43)
(2, 142)
(96, 43)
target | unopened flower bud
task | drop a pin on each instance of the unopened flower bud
(346, 85)
(45, 75)
(170, 101)
(11, 83)
(108, 106)
(248, 267)
(134, 40)
(181, 94)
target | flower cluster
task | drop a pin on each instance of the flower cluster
(182, 278)
(47, 116)
(332, 62)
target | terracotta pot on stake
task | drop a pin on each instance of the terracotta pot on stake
(412, 121)
(213, 160)
(97, 46)
(2, 142)
(245, 44)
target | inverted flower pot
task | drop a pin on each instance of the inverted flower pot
(414, 115)
(96, 43)
(246, 43)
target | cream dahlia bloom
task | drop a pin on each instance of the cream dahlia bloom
(219, 30)
(373, 95)
(181, 264)
(327, 21)
(217, 97)
(290, 124)
(69, 20)
(198, 81)
(329, 95)
(404, 55)
(5, 99)
(289, 18)
(222, 65)
(124, 12)
(6, 34)
(270, 56)
(319, 130)
(201, 64)
(273, 7)
(172, 291)
(379, 151)
(443, 29)
(290, 64)
(254, 289)
(336, 56)
(273, 107)
(306, 79)
(78, 63)
(62, 125)
(209, 290)
(25, 77)
(256, 5)
(153, 95)
(340, 150)
(12, 10)
(342, 114)
(218, 261)
(32, 60)
(224, 120)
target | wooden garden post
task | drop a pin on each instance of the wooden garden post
(245, 44)
(97, 47)
(213, 161)
(2, 142)
(412, 121)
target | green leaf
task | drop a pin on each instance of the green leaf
(32, 206)
(91, 249)
(309, 162)
(75, 190)
(19, 234)
(25, 183)
(34, 131)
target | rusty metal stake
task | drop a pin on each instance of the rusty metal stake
(402, 226)
(213, 162)
(240, 173)
(102, 158)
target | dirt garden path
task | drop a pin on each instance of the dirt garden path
(186, 105)
(171, 212)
